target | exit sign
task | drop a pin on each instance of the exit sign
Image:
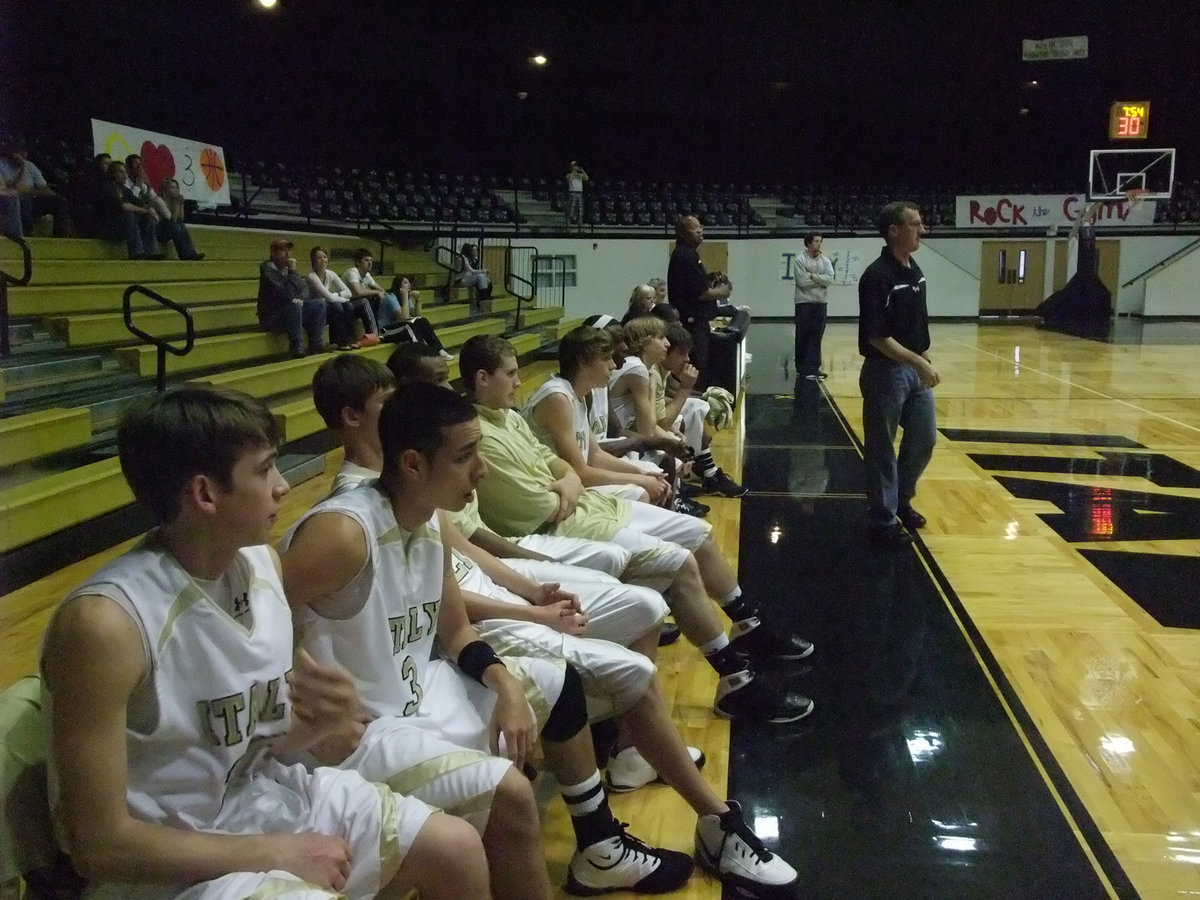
(1129, 120)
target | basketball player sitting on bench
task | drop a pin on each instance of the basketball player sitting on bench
(175, 698)
(523, 607)
(370, 573)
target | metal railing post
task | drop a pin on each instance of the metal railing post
(5, 281)
(161, 345)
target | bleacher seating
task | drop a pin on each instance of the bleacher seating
(77, 365)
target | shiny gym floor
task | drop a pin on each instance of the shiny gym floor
(1010, 708)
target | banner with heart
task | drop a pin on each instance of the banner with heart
(198, 166)
(158, 162)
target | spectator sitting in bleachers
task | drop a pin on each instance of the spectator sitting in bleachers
(358, 278)
(411, 324)
(341, 308)
(35, 196)
(282, 307)
(120, 217)
(646, 301)
(171, 226)
(139, 185)
(470, 275)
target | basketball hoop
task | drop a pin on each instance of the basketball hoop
(1134, 197)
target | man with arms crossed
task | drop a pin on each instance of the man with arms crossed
(172, 698)
(813, 273)
(897, 378)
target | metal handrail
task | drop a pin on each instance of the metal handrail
(5, 281)
(528, 293)
(162, 345)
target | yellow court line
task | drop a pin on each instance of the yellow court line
(1050, 786)
(923, 551)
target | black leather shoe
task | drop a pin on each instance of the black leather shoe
(669, 634)
(691, 507)
(765, 642)
(910, 518)
(890, 537)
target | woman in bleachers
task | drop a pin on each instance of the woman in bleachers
(644, 301)
(471, 275)
(411, 323)
(341, 308)
(171, 226)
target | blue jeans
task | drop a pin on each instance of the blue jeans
(893, 396)
(810, 328)
(294, 320)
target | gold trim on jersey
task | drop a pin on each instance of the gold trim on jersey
(408, 780)
(282, 887)
(532, 690)
(391, 854)
(472, 806)
(185, 600)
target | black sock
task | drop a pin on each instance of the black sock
(705, 465)
(725, 661)
(591, 817)
(738, 609)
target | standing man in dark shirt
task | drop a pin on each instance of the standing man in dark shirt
(282, 306)
(897, 377)
(689, 292)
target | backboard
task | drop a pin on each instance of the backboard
(1112, 174)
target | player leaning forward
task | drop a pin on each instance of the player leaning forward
(371, 570)
(172, 698)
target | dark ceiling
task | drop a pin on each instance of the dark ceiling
(848, 91)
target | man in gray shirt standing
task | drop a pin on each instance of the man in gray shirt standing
(813, 273)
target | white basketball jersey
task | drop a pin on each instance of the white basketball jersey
(622, 404)
(200, 724)
(580, 425)
(388, 643)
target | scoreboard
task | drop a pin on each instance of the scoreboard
(1129, 120)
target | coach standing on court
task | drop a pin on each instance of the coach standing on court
(897, 377)
(688, 290)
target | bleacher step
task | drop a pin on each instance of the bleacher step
(22, 377)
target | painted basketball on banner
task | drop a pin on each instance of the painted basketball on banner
(198, 166)
(213, 168)
(158, 162)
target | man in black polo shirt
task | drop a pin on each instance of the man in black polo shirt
(897, 377)
(688, 290)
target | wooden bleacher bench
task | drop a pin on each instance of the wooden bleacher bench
(206, 353)
(539, 316)
(54, 502)
(554, 331)
(62, 300)
(108, 329)
(37, 434)
(123, 272)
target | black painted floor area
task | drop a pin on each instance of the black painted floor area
(909, 780)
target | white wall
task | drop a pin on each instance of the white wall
(1138, 254)
(1174, 290)
(607, 270)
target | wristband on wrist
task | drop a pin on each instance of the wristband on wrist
(475, 658)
